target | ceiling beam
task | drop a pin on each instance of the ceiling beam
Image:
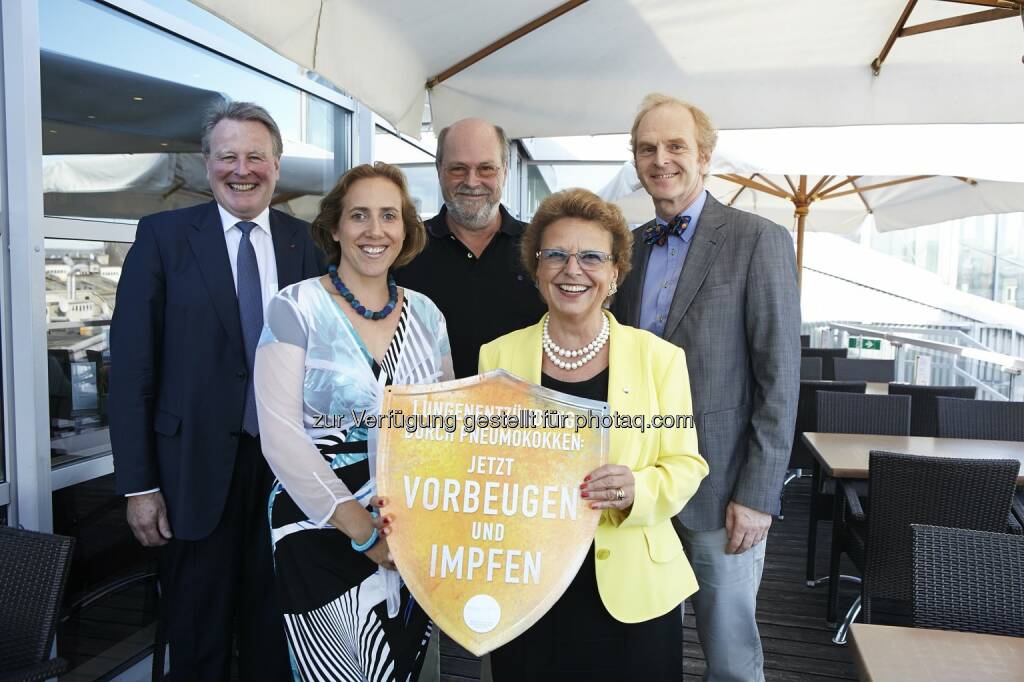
(502, 42)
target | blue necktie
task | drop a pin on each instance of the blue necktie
(250, 313)
(658, 233)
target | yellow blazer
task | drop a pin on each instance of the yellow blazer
(641, 570)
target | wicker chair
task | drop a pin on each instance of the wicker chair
(968, 580)
(33, 571)
(985, 419)
(810, 369)
(907, 489)
(827, 355)
(859, 369)
(887, 415)
(924, 419)
(801, 459)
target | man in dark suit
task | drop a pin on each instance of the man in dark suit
(183, 423)
(721, 284)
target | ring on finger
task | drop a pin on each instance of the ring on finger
(620, 494)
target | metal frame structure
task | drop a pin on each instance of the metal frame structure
(996, 9)
(30, 480)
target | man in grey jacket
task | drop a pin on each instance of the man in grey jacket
(721, 284)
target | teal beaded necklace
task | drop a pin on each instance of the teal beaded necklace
(332, 272)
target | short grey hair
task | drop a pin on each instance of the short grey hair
(240, 111)
(498, 131)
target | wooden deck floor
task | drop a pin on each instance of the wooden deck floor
(797, 641)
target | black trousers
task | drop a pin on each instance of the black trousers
(223, 584)
(579, 640)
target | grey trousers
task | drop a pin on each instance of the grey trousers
(725, 605)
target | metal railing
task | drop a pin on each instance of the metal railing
(960, 358)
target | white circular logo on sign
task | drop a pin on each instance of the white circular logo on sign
(481, 613)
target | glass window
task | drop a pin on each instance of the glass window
(979, 232)
(110, 601)
(121, 136)
(976, 272)
(81, 281)
(1010, 288)
(418, 167)
(544, 179)
(918, 246)
(1011, 237)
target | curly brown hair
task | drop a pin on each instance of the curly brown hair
(331, 207)
(583, 205)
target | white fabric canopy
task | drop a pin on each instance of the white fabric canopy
(755, 64)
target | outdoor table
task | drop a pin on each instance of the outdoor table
(884, 652)
(845, 455)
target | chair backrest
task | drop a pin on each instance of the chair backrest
(986, 419)
(861, 369)
(810, 368)
(807, 415)
(827, 355)
(938, 491)
(33, 572)
(968, 580)
(924, 419)
(805, 340)
(886, 415)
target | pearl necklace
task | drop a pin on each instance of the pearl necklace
(555, 352)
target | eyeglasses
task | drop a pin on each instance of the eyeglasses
(460, 171)
(588, 260)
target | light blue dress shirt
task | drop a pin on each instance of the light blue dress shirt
(664, 265)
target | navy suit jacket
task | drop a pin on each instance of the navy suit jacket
(178, 370)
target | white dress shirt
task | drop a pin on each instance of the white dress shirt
(262, 243)
(266, 260)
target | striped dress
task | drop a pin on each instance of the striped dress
(313, 378)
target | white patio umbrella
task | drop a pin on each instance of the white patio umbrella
(542, 67)
(897, 177)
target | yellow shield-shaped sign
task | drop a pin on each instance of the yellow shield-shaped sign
(482, 478)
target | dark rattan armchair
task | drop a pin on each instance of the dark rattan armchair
(983, 419)
(33, 571)
(907, 489)
(968, 580)
(864, 369)
(857, 414)
(827, 355)
(923, 418)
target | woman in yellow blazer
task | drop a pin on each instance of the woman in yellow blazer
(621, 617)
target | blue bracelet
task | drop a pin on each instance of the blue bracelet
(370, 541)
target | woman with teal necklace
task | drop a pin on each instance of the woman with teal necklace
(330, 346)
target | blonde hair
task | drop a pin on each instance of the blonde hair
(707, 136)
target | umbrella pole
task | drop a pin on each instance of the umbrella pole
(801, 214)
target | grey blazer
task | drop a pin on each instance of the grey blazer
(736, 314)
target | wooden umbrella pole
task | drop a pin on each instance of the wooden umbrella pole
(802, 209)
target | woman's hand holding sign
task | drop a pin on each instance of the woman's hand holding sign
(611, 486)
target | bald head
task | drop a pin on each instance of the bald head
(475, 133)
(472, 163)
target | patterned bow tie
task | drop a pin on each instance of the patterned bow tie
(658, 234)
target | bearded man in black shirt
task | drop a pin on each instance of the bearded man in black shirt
(470, 267)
